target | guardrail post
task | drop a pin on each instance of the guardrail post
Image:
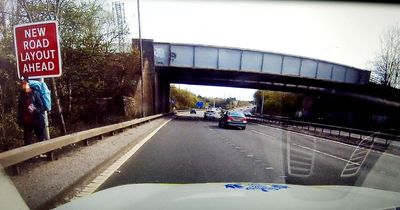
(101, 137)
(330, 131)
(50, 156)
(87, 143)
(16, 170)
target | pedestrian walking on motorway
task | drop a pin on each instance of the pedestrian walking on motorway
(30, 113)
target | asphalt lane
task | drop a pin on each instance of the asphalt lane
(192, 150)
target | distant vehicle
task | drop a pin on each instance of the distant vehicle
(233, 119)
(210, 114)
(247, 114)
(192, 111)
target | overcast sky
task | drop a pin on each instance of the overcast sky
(345, 33)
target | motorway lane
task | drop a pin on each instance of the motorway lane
(191, 150)
(277, 149)
(185, 151)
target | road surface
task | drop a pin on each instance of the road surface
(191, 150)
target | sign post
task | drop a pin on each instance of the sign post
(37, 50)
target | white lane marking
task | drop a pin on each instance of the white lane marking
(260, 133)
(90, 188)
(326, 154)
(250, 156)
(269, 168)
(319, 138)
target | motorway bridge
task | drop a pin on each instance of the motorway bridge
(166, 63)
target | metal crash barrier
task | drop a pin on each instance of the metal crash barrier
(18, 155)
(330, 128)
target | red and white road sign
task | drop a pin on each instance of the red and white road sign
(37, 49)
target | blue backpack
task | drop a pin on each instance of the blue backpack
(44, 91)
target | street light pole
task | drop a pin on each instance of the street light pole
(262, 102)
(141, 55)
(214, 102)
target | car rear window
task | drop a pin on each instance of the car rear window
(236, 114)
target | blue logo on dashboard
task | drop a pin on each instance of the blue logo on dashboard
(255, 186)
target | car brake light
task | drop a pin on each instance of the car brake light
(244, 120)
(229, 119)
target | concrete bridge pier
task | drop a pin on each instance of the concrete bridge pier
(155, 93)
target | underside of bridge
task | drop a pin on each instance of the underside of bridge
(249, 80)
(157, 80)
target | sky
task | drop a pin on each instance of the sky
(345, 33)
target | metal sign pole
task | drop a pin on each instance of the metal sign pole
(46, 120)
(141, 56)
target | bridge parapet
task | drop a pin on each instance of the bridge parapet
(223, 58)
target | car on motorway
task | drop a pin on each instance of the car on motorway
(192, 111)
(209, 114)
(247, 114)
(233, 119)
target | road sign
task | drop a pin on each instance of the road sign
(200, 104)
(37, 49)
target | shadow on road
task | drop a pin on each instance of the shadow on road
(188, 118)
(194, 118)
(214, 126)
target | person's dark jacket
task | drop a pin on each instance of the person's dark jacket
(38, 113)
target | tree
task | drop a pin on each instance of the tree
(279, 103)
(386, 66)
(90, 64)
(183, 99)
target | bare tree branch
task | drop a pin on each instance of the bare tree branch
(25, 6)
(387, 63)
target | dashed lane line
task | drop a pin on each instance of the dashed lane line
(99, 180)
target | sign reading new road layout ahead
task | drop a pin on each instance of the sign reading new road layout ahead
(37, 50)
